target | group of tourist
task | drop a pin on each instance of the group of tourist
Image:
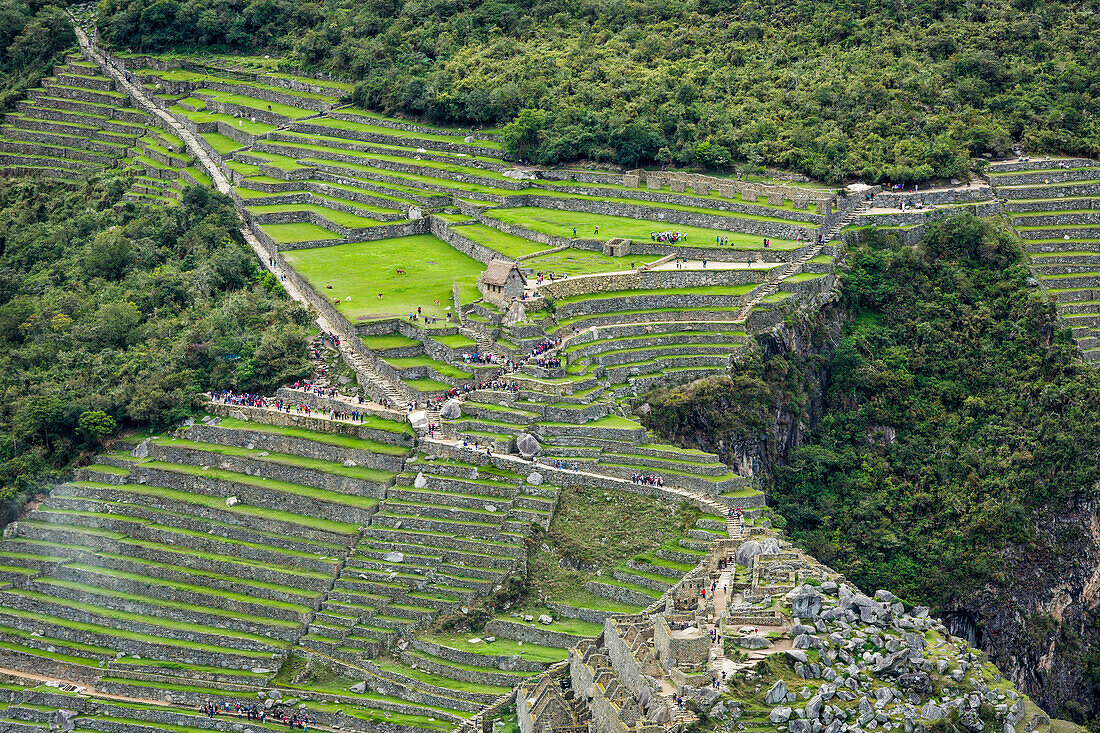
(249, 712)
(540, 276)
(294, 718)
(646, 479)
(546, 345)
(546, 362)
(481, 357)
(226, 397)
(564, 465)
(476, 447)
(668, 236)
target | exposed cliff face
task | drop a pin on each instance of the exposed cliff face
(767, 408)
(1041, 617)
(1039, 623)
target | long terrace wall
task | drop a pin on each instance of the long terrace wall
(923, 216)
(384, 139)
(685, 199)
(674, 217)
(286, 419)
(649, 280)
(451, 234)
(936, 197)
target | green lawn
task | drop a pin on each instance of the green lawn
(410, 362)
(346, 441)
(506, 244)
(222, 144)
(290, 233)
(561, 223)
(503, 647)
(408, 272)
(252, 128)
(254, 103)
(387, 341)
(579, 262)
(339, 218)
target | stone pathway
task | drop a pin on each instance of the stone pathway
(524, 467)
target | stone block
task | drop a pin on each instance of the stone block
(726, 190)
(701, 188)
(775, 196)
(654, 182)
(631, 180)
(677, 185)
(802, 203)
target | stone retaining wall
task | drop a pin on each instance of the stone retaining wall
(270, 417)
(383, 139)
(922, 216)
(666, 218)
(1061, 220)
(255, 495)
(451, 234)
(276, 443)
(268, 469)
(584, 614)
(478, 660)
(683, 199)
(321, 402)
(617, 593)
(649, 280)
(648, 302)
(531, 634)
(366, 147)
(968, 195)
(330, 177)
(1043, 164)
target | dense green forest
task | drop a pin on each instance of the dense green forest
(955, 406)
(115, 314)
(33, 37)
(882, 90)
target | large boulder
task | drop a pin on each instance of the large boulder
(751, 548)
(776, 694)
(753, 641)
(420, 481)
(528, 446)
(451, 410)
(780, 715)
(805, 601)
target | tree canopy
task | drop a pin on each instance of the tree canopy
(879, 90)
(118, 315)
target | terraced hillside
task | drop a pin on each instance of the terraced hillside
(1054, 206)
(219, 561)
(78, 123)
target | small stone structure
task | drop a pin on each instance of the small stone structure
(501, 281)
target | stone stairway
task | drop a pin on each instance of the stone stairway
(735, 526)
(772, 286)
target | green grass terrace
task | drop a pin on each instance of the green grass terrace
(408, 272)
(561, 223)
